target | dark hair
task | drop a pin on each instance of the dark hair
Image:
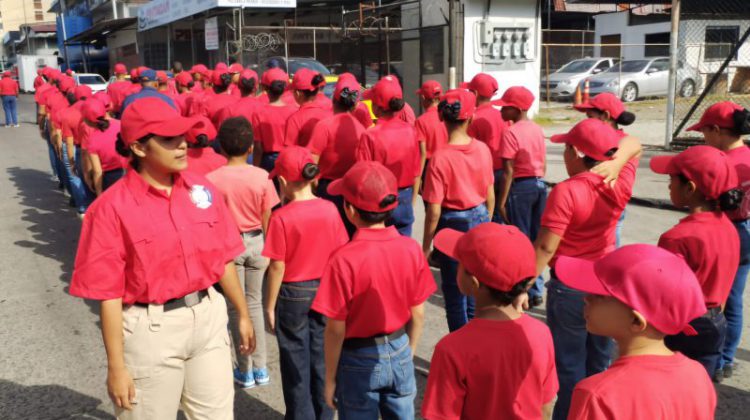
(102, 124)
(276, 88)
(310, 171)
(590, 162)
(347, 99)
(372, 217)
(506, 298)
(177, 66)
(727, 201)
(626, 118)
(247, 86)
(226, 80)
(125, 151)
(450, 112)
(396, 104)
(235, 136)
(741, 122)
(201, 141)
(316, 81)
(71, 97)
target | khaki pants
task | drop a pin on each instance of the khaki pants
(251, 268)
(179, 359)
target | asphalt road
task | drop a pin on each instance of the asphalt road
(52, 362)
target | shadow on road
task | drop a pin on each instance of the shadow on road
(19, 402)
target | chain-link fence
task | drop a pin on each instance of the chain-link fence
(713, 42)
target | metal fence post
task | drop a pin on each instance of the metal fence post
(672, 84)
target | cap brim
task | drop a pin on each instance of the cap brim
(660, 164)
(695, 127)
(500, 102)
(446, 240)
(176, 127)
(579, 274)
(559, 138)
(465, 85)
(336, 187)
(583, 107)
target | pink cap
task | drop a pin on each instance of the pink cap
(221, 67)
(499, 256)
(483, 84)
(183, 78)
(235, 68)
(365, 186)
(206, 128)
(93, 109)
(134, 73)
(200, 69)
(592, 137)
(349, 83)
(303, 80)
(720, 114)
(604, 102)
(707, 166)
(274, 75)
(384, 90)
(247, 74)
(517, 97)
(462, 100)
(66, 84)
(104, 98)
(216, 78)
(120, 69)
(430, 89)
(651, 280)
(153, 116)
(82, 92)
(291, 162)
(162, 77)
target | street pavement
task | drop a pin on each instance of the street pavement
(52, 361)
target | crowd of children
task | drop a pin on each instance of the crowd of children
(205, 184)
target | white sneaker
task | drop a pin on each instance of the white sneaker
(81, 216)
(16, 126)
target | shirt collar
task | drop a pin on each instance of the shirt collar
(369, 234)
(139, 187)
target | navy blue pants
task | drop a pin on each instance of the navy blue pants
(403, 215)
(526, 202)
(705, 347)
(338, 201)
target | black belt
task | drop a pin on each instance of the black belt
(253, 233)
(360, 343)
(524, 178)
(188, 301)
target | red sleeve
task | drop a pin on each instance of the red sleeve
(364, 148)
(291, 133)
(673, 245)
(69, 124)
(446, 386)
(318, 139)
(335, 291)
(508, 145)
(275, 246)
(434, 187)
(586, 406)
(425, 284)
(551, 385)
(362, 113)
(559, 210)
(270, 197)
(419, 126)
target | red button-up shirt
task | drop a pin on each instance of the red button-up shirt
(142, 245)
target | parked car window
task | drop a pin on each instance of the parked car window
(629, 66)
(603, 66)
(295, 65)
(577, 66)
(660, 65)
(91, 80)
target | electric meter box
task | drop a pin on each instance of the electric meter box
(508, 43)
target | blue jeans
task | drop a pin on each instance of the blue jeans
(338, 201)
(52, 153)
(706, 346)
(377, 380)
(734, 307)
(525, 206)
(11, 112)
(75, 185)
(459, 309)
(403, 215)
(498, 179)
(268, 160)
(578, 354)
(618, 229)
(299, 332)
(110, 177)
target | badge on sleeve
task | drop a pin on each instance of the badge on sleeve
(201, 197)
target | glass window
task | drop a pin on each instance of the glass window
(660, 65)
(577, 66)
(720, 40)
(39, 16)
(91, 79)
(662, 44)
(629, 66)
(604, 65)
(37, 4)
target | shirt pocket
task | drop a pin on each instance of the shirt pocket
(206, 232)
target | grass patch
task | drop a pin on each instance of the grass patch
(546, 120)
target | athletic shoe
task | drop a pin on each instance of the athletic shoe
(728, 371)
(81, 216)
(535, 301)
(244, 379)
(718, 376)
(16, 126)
(261, 376)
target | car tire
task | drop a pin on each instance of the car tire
(687, 89)
(630, 92)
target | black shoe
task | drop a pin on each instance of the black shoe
(535, 301)
(728, 371)
(718, 376)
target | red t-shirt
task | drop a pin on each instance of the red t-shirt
(407, 114)
(488, 126)
(583, 211)
(184, 103)
(393, 143)
(248, 193)
(492, 370)
(203, 160)
(102, 144)
(142, 245)
(431, 131)
(269, 124)
(362, 113)
(646, 388)
(56, 103)
(740, 158)
(304, 234)
(458, 176)
(8, 87)
(373, 282)
(70, 118)
(324, 102)
(41, 93)
(38, 81)
(300, 125)
(214, 108)
(245, 107)
(335, 140)
(117, 92)
(711, 247)
(523, 143)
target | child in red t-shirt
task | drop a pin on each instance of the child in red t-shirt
(373, 293)
(501, 365)
(302, 235)
(703, 179)
(637, 295)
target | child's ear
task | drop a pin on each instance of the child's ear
(639, 323)
(691, 187)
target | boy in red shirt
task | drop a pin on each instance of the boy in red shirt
(703, 179)
(637, 295)
(579, 221)
(522, 192)
(373, 292)
(501, 365)
(431, 132)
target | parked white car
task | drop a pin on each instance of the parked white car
(95, 81)
(563, 82)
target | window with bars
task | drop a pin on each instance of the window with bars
(38, 4)
(39, 16)
(720, 40)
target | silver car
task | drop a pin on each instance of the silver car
(633, 79)
(563, 82)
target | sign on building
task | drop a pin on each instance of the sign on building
(161, 12)
(212, 33)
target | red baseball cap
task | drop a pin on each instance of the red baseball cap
(592, 137)
(236, 68)
(720, 114)
(153, 116)
(483, 84)
(274, 75)
(384, 90)
(517, 97)
(707, 166)
(651, 280)
(365, 186)
(604, 102)
(346, 83)
(134, 74)
(430, 89)
(120, 69)
(82, 91)
(221, 67)
(303, 80)
(216, 77)
(6, 74)
(93, 109)
(206, 128)
(104, 98)
(499, 256)
(247, 74)
(162, 77)
(65, 84)
(69, 72)
(291, 162)
(200, 69)
(348, 75)
(465, 100)
(183, 78)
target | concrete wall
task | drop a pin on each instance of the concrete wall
(692, 39)
(617, 24)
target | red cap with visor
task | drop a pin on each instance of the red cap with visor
(720, 114)
(430, 89)
(274, 75)
(366, 185)
(462, 100)
(384, 90)
(483, 84)
(708, 167)
(291, 162)
(604, 102)
(517, 97)
(592, 137)
(153, 116)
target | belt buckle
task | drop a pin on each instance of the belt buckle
(192, 299)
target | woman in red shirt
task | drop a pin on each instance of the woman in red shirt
(107, 166)
(270, 121)
(9, 93)
(300, 125)
(151, 250)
